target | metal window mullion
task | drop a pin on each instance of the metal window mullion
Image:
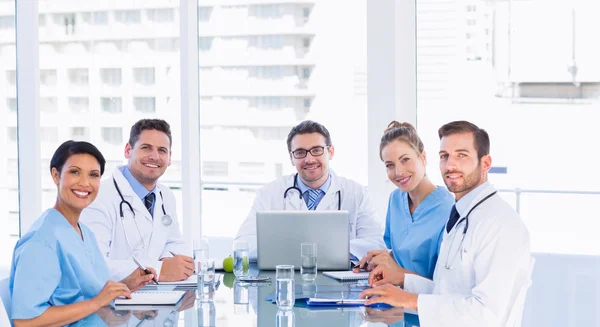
(28, 114)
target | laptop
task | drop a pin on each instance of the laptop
(280, 233)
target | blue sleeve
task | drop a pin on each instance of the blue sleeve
(37, 275)
(386, 234)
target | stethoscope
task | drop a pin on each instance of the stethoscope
(166, 219)
(295, 187)
(466, 220)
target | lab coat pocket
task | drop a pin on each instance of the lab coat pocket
(467, 273)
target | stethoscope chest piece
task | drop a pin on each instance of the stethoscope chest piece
(167, 220)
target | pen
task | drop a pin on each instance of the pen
(144, 269)
(172, 253)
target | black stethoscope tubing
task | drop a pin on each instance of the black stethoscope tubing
(295, 187)
(123, 201)
(466, 218)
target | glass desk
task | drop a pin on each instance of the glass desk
(245, 304)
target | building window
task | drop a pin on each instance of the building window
(471, 8)
(256, 169)
(145, 104)
(215, 168)
(270, 102)
(144, 75)
(166, 45)
(204, 14)
(306, 72)
(204, 43)
(41, 20)
(161, 15)
(79, 76)
(128, 16)
(112, 135)
(12, 134)
(48, 77)
(307, 103)
(305, 13)
(306, 42)
(48, 104)
(11, 103)
(79, 133)
(7, 22)
(110, 76)
(67, 21)
(11, 77)
(79, 105)
(49, 134)
(471, 22)
(111, 105)
(100, 18)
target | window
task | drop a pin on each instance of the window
(48, 77)
(161, 15)
(11, 134)
(48, 105)
(305, 72)
(100, 18)
(110, 76)
(144, 76)
(305, 13)
(145, 104)
(166, 45)
(49, 134)
(79, 76)
(111, 105)
(128, 16)
(11, 103)
(112, 135)
(204, 14)
(11, 77)
(7, 22)
(204, 43)
(471, 8)
(215, 168)
(79, 105)
(80, 134)
(252, 169)
(42, 20)
(306, 42)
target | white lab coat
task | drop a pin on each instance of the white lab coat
(486, 274)
(104, 219)
(366, 233)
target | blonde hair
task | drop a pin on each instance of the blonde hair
(397, 131)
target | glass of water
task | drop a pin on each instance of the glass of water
(285, 287)
(240, 259)
(285, 318)
(206, 314)
(200, 251)
(308, 253)
(206, 279)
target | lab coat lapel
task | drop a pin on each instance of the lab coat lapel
(330, 199)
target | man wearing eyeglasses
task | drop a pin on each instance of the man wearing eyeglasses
(316, 187)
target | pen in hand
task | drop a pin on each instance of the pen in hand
(145, 270)
(172, 253)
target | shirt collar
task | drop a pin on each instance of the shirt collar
(465, 202)
(136, 186)
(303, 188)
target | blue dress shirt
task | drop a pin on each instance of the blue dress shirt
(304, 189)
(139, 189)
(52, 265)
(415, 239)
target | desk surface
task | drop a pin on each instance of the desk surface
(237, 304)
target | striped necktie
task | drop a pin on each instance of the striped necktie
(148, 201)
(312, 198)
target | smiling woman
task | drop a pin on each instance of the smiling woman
(75, 282)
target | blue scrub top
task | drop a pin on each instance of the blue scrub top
(415, 240)
(53, 266)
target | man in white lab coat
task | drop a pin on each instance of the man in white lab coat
(134, 215)
(484, 264)
(316, 187)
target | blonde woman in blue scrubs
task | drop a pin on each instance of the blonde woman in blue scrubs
(417, 210)
(58, 275)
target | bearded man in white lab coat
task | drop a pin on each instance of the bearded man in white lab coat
(484, 266)
(134, 216)
(310, 149)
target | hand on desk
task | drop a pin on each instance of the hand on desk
(111, 317)
(138, 279)
(376, 258)
(382, 275)
(177, 268)
(111, 291)
(145, 315)
(390, 294)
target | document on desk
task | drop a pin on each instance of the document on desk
(191, 281)
(336, 299)
(167, 298)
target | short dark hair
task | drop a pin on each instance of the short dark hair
(482, 139)
(149, 124)
(70, 148)
(308, 127)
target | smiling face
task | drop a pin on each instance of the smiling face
(461, 169)
(404, 166)
(78, 181)
(313, 171)
(149, 157)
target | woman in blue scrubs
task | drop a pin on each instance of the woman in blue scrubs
(417, 210)
(58, 274)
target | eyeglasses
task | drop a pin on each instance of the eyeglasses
(314, 151)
